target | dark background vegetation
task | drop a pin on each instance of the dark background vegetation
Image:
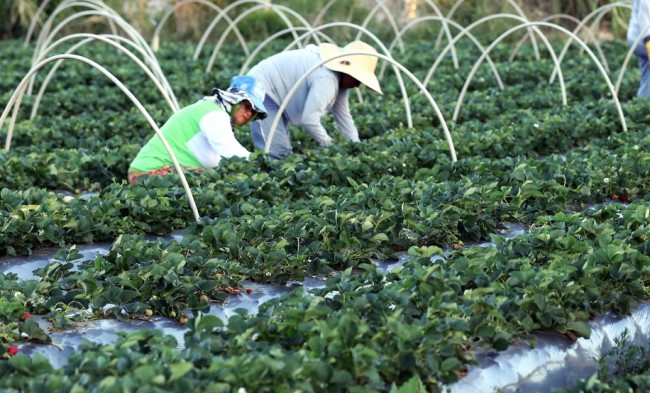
(190, 20)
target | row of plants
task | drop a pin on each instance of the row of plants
(568, 173)
(360, 330)
(499, 189)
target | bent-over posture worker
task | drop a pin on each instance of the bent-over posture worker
(201, 134)
(326, 89)
(640, 25)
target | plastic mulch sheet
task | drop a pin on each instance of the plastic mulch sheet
(555, 361)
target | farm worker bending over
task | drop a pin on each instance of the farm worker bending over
(640, 25)
(326, 89)
(201, 133)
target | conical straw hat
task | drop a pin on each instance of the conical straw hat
(360, 67)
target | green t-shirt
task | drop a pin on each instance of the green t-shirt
(199, 135)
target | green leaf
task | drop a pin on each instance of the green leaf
(450, 364)
(380, 237)
(179, 370)
(580, 328)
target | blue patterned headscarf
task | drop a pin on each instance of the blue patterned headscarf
(245, 87)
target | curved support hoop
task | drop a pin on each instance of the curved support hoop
(244, 68)
(239, 17)
(467, 29)
(155, 40)
(494, 44)
(90, 4)
(600, 10)
(563, 30)
(381, 4)
(136, 37)
(295, 87)
(126, 91)
(276, 8)
(319, 18)
(445, 30)
(407, 106)
(89, 38)
(629, 55)
(145, 55)
(101, 9)
(450, 14)
(514, 5)
(34, 21)
(456, 25)
(572, 19)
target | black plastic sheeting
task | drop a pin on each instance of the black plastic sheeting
(554, 362)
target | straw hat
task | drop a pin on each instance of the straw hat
(360, 67)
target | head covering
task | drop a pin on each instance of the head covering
(245, 87)
(360, 67)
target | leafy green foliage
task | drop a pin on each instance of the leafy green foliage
(565, 172)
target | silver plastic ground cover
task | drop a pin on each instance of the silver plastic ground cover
(554, 362)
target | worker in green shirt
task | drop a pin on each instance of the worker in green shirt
(201, 134)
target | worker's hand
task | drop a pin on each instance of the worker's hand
(325, 142)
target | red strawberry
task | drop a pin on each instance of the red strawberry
(249, 291)
(12, 351)
(624, 198)
(26, 316)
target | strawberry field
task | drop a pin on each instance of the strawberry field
(574, 175)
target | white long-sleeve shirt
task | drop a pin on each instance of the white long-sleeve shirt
(199, 136)
(639, 21)
(318, 94)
